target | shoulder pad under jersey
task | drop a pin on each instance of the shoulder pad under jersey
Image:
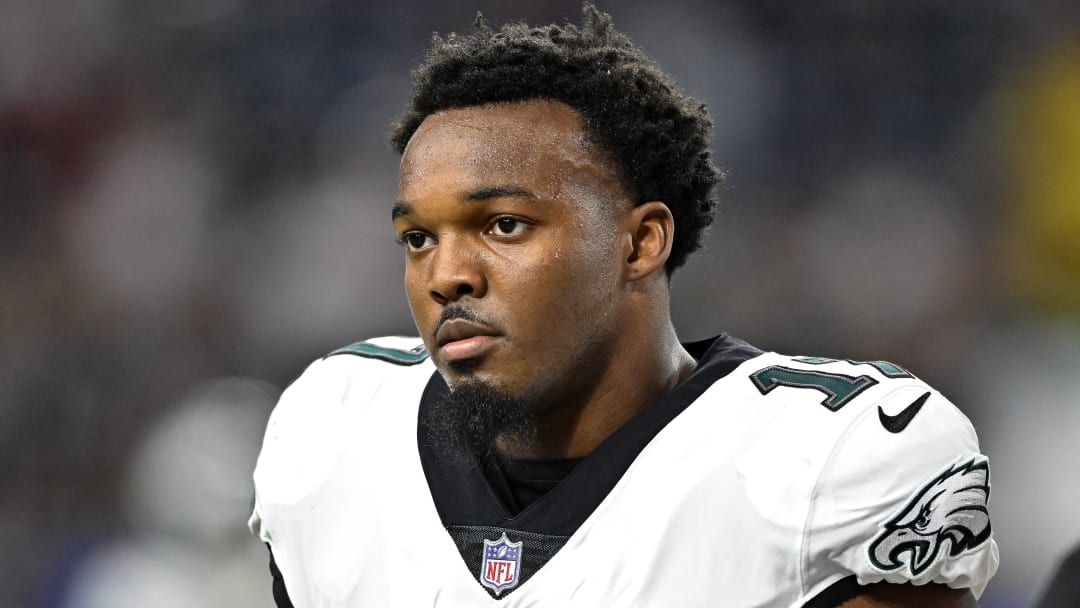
(897, 485)
(903, 496)
(318, 416)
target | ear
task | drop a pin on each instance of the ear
(651, 228)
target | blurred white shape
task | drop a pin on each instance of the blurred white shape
(878, 256)
(127, 573)
(191, 477)
(138, 234)
(168, 574)
(190, 494)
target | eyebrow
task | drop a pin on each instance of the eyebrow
(400, 209)
(486, 192)
(477, 194)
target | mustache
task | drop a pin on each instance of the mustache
(458, 311)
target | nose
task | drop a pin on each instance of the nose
(456, 271)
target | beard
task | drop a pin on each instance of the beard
(474, 415)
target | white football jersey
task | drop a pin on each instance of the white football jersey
(763, 480)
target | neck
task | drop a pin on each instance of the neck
(642, 367)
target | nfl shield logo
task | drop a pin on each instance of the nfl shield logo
(501, 566)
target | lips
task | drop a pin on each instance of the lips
(459, 339)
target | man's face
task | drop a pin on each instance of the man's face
(510, 220)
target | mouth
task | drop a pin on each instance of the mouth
(460, 339)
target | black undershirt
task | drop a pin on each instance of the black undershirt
(521, 482)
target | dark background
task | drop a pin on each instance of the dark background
(195, 200)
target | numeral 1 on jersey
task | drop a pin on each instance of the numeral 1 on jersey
(837, 388)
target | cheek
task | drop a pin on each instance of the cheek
(412, 285)
(417, 295)
(564, 289)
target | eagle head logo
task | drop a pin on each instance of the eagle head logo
(948, 513)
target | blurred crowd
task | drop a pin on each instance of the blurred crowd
(195, 202)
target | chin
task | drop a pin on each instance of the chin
(478, 369)
(473, 374)
(463, 367)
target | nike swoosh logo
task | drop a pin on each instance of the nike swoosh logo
(899, 422)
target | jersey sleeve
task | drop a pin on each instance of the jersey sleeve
(303, 440)
(323, 425)
(902, 498)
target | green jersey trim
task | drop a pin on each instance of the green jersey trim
(413, 356)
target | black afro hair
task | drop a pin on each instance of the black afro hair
(658, 137)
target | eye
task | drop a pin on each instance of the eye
(507, 226)
(415, 241)
(923, 520)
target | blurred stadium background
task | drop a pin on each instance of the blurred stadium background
(194, 203)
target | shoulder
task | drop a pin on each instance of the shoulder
(877, 474)
(901, 488)
(836, 419)
(318, 415)
(842, 401)
(867, 415)
(363, 367)
(348, 377)
(403, 351)
(839, 383)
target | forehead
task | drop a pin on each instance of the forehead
(538, 144)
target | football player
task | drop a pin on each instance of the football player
(547, 440)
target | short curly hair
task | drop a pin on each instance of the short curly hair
(658, 137)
